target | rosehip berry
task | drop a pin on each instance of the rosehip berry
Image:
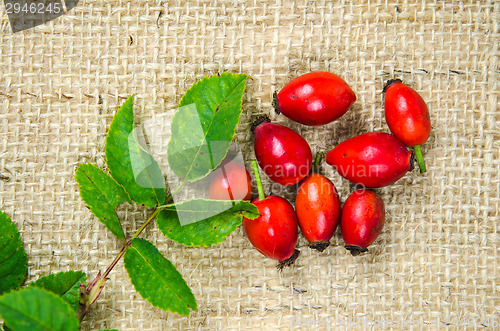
(373, 159)
(281, 152)
(407, 116)
(362, 220)
(230, 181)
(315, 98)
(318, 208)
(274, 233)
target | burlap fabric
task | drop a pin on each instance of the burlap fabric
(436, 263)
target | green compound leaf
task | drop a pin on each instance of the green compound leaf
(128, 161)
(64, 284)
(13, 261)
(156, 279)
(102, 194)
(218, 220)
(35, 309)
(204, 125)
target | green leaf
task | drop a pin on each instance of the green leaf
(13, 261)
(128, 161)
(35, 309)
(210, 231)
(204, 125)
(156, 279)
(102, 194)
(64, 284)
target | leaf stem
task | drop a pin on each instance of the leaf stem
(138, 232)
(317, 161)
(256, 173)
(95, 289)
(168, 205)
(420, 158)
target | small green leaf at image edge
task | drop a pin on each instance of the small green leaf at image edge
(13, 260)
(65, 284)
(36, 309)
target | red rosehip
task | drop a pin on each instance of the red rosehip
(230, 181)
(362, 220)
(318, 209)
(274, 232)
(281, 152)
(407, 116)
(373, 159)
(315, 98)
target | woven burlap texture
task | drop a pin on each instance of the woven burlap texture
(436, 262)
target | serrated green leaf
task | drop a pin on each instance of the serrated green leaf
(64, 284)
(128, 161)
(204, 125)
(35, 309)
(156, 279)
(210, 231)
(102, 194)
(13, 261)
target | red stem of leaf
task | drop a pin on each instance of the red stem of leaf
(95, 288)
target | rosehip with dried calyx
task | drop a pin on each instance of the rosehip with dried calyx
(282, 153)
(274, 232)
(315, 98)
(407, 116)
(318, 207)
(373, 159)
(230, 181)
(362, 220)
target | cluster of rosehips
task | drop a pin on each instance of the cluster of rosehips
(371, 160)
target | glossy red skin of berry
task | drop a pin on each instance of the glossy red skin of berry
(362, 220)
(373, 159)
(406, 114)
(274, 233)
(315, 98)
(230, 181)
(318, 208)
(282, 153)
